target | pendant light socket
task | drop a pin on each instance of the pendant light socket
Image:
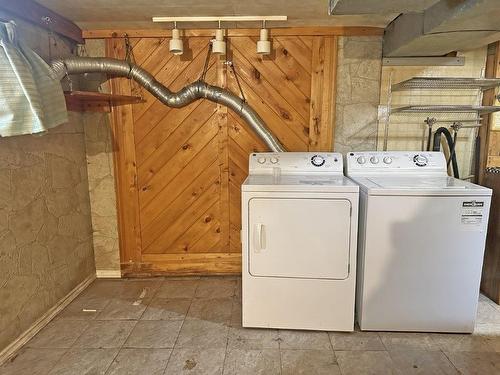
(264, 44)
(176, 45)
(219, 44)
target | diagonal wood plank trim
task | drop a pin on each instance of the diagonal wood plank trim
(271, 95)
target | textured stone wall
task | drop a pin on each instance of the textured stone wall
(358, 88)
(101, 175)
(45, 228)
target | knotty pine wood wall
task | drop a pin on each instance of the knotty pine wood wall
(179, 171)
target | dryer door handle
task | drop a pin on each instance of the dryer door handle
(259, 237)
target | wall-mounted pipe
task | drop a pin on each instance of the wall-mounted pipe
(186, 95)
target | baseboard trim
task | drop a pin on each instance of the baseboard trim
(108, 274)
(27, 335)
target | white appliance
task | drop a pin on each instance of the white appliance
(299, 232)
(421, 243)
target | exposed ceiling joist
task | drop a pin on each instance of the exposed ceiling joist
(33, 12)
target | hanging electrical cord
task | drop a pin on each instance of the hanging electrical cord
(130, 57)
(205, 66)
(231, 64)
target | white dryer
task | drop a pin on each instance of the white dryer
(421, 243)
(299, 232)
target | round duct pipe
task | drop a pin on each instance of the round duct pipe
(186, 95)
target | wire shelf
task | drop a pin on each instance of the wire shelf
(430, 83)
(446, 109)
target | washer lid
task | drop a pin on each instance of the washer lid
(297, 182)
(424, 185)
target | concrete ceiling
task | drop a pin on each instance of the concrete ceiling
(105, 14)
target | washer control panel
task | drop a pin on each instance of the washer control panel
(296, 162)
(395, 161)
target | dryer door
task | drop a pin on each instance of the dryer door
(300, 238)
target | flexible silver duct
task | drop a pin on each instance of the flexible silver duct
(188, 94)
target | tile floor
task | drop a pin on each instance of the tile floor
(193, 326)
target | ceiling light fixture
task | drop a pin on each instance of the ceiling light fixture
(176, 45)
(264, 44)
(219, 44)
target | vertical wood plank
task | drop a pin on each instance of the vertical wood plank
(492, 71)
(323, 90)
(223, 157)
(127, 196)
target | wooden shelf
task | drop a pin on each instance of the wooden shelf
(89, 101)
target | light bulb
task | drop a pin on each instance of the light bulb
(176, 45)
(219, 44)
(264, 44)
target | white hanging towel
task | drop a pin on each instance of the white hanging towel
(31, 97)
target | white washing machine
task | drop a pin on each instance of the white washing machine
(421, 243)
(299, 232)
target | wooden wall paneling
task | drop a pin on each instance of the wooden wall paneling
(125, 169)
(190, 162)
(490, 157)
(322, 113)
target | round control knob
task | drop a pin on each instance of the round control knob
(317, 160)
(374, 160)
(261, 160)
(273, 160)
(387, 160)
(420, 160)
(361, 160)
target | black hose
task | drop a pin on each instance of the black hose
(451, 146)
(452, 152)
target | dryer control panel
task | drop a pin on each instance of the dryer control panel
(375, 162)
(295, 162)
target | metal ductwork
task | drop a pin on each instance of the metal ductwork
(188, 94)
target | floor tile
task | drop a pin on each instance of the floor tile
(314, 340)
(58, 334)
(213, 310)
(105, 334)
(252, 362)
(140, 362)
(475, 363)
(216, 288)
(177, 289)
(124, 288)
(365, 362)
(154, 334)
(422, 362)
(123, 309)
(462, 343)
(32, 362)
(236, 314)
(487, 313)
(84, 308)
(196, 362)
(407, 341)
(200, 334)
(85, 362)
(308, 362)
(252, 338)
(356, 340)
(167, 309)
